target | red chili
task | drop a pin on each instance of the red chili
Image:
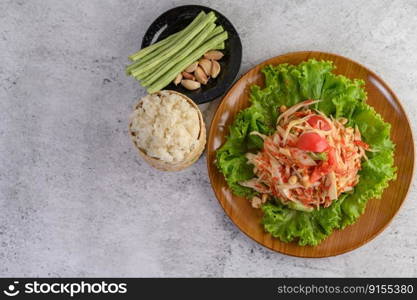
(362, 144)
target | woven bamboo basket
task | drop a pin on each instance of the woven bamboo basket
(191, 158)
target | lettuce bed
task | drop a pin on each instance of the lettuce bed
(341, 97)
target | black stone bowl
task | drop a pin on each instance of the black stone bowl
(177, 19)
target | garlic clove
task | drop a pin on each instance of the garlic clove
(205, 64)
(191, 68)
(215, 69)
(188, 75)
(214, 55)
(190, 84)
(178, 79)
(200, 75)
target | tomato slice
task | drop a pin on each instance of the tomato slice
(325, 166)
(316, 175)
(313, 142)
(318, 122)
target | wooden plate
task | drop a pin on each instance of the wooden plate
(379, 212)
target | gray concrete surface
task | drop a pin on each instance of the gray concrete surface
(76, 200)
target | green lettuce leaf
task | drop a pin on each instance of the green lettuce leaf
(341, 97)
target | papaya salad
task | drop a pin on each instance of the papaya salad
(309, 161)
(308, 151)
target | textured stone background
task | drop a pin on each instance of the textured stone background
(76, 200)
